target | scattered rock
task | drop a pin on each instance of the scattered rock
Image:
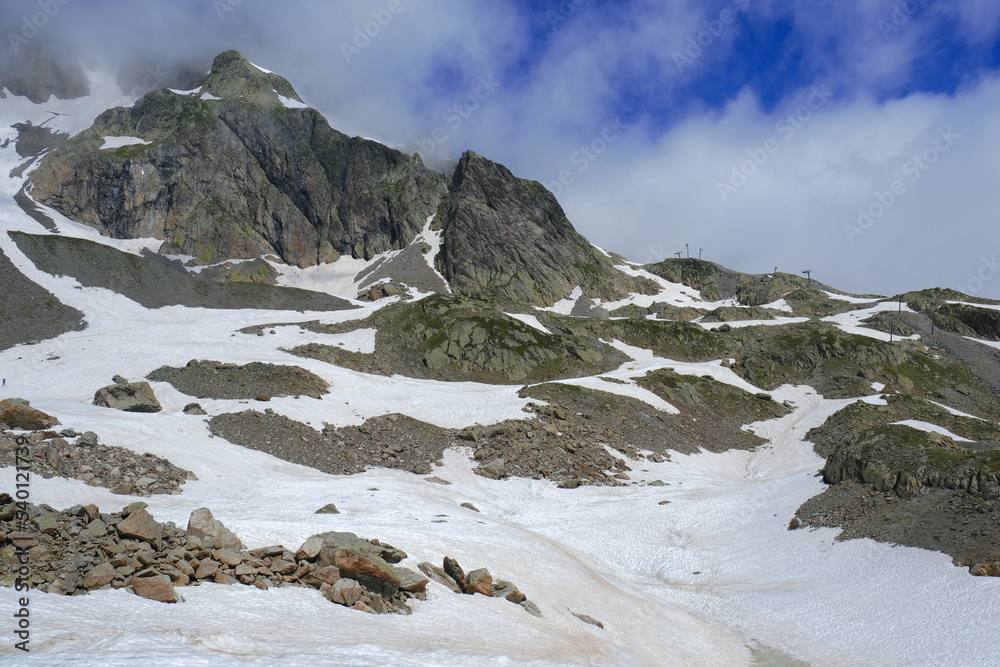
(588, 619)
(531, 608)
(329, 508)
(437, 480)
(470, 506)
(194, 409)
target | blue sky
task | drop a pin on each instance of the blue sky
(695, 91)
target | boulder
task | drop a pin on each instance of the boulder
(329, 508)
(155, 587)
(133, 397)
(203, 524)
(310, 549)
(438, 575)
(207, 568)
(18, 414)
(371, 572)
(334, 540)
(99, 576)
(229, 557)
(479, 581)
(141, 525)
(346, 592)
(194, 409)
(322, 575)
(454, 570)
(409, 580)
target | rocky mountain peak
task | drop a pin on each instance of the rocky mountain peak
(508, 239)
(233, 76)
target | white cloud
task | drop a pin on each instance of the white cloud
(792, 212)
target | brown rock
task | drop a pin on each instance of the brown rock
(222, 578)
(985, 570)
(206, 568)
(345, 592)
(18, 414)
(454, 570)
(91, 511)
(228, 556)
(370, 573)
(409, 580)
(438, 575)
(243, 570)
(282, 566)
(156, 587)
(322, 576)
(329, 508)
(479, 581)
(203, 524)
(310, 549)
(141, 525)
(99, 576)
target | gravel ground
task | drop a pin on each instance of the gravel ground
(155, 285)
(29, 312)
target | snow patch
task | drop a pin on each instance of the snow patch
(118, 142)
(530, 320)
(930, 428)
(291, 103)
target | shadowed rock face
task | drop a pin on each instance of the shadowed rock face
(508, 239)
(240, 177)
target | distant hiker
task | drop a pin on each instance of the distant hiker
(4, 383)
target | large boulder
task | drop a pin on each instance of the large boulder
(130, 397)
(155, 587)
(140, 525)
(17, 413)
(202, 524)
